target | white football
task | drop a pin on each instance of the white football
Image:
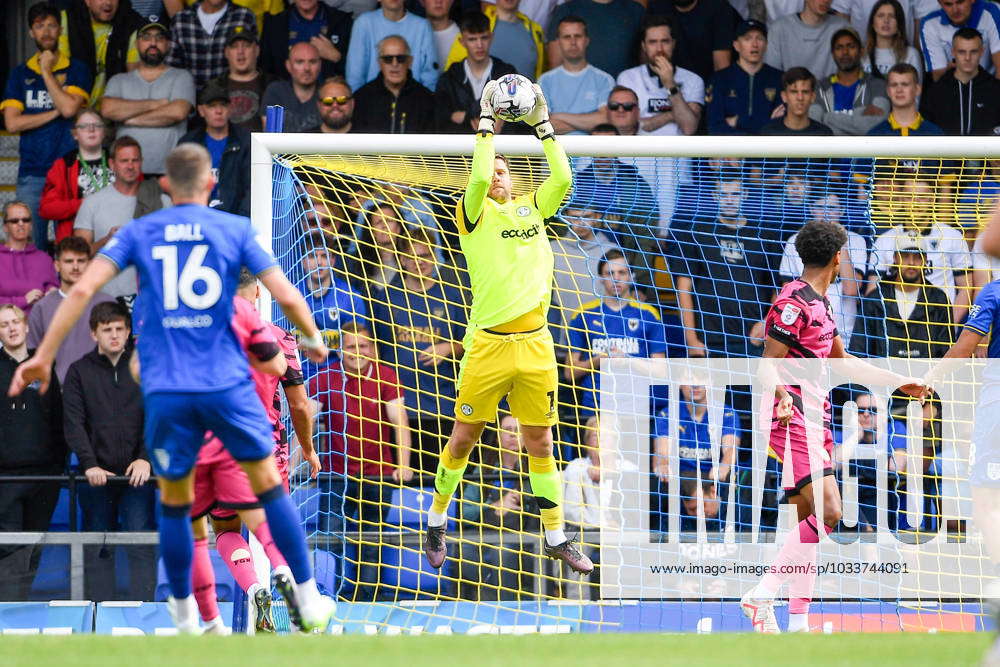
(513, 97)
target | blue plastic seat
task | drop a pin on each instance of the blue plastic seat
(60, 516)
(408, 507)
(52, 580)
(407, 569)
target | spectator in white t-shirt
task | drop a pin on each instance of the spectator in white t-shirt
(670, 98)
(985, 268)
(576, 90)
(937, 30)
(886, 41)
(859, 14)
(948, 257)
(444, 28)
(844, 291)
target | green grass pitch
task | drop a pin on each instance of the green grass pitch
(605, 650)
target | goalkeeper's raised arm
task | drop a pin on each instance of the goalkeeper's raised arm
(487, 180)
(508, 347)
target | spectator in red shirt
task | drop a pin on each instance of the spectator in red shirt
(362, 420)
(80, 172)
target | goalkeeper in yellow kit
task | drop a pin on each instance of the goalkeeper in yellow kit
(508, 347)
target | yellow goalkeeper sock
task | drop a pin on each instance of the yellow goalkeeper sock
(449, 474)
(546, 485)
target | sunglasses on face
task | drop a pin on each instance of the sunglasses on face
(391, 58)
(622, 106)
(89, 126)
(18, 221)
(340, 99)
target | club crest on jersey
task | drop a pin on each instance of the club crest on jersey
(333, 313)
(466, 409)
(523, 211)
(790, 313)
(633, 323)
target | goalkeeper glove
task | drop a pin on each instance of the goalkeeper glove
(486, 119)
(538, 118)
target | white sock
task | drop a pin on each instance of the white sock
(215, 621)
(798, 622)
(555, 537)
(285, 570)
(761, 592)
(252, 591)
(436, 519)
(186, 609)
(308, 594)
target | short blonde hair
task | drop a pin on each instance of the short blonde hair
(188, 166)
(17, 311)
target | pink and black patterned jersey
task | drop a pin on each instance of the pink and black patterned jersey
(257, 339)
(803, 320)
(270, 392)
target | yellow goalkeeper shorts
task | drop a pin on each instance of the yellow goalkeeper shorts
(521, 366)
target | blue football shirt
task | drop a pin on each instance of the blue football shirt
(695, 443)
(635, 330)
(332, 308)
(188, 259)
(984, 319)
(407, 324)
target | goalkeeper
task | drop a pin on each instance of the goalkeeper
(508, 347)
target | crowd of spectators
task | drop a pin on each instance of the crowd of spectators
(654, 256)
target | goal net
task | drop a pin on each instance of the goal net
(667, 254)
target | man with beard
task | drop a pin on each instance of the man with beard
(40, 99)
(851, 101)
(905, 316)
(151, 103)
(336, 107)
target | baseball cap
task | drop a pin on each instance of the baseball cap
(241, 32)
(750, 24)
(909, 242)
(154, 21)
(213, 92)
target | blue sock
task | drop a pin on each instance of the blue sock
(286, 530)
(177, 547)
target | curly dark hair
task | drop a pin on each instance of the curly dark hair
(817, 242)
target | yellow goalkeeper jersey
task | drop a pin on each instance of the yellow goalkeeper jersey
(509, 260)
(506, 248)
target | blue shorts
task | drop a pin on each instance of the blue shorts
(984, 452)
(176, 423)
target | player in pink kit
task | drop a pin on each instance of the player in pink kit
(222, 490)
(800, 325)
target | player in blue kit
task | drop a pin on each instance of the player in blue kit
(617, 325)
(195, 376)
(984, 451)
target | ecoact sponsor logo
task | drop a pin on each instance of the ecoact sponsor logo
(523, 234)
